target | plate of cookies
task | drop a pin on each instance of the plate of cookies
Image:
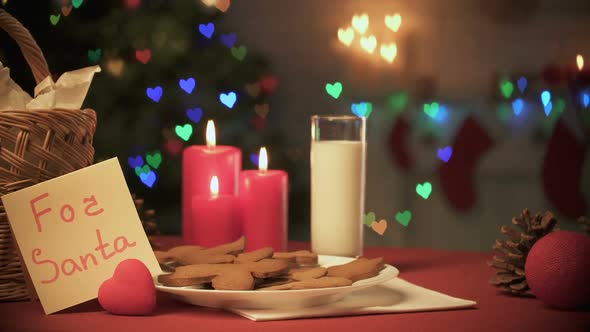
(227, 277)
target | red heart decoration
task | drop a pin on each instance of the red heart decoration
(130, 291)
(143, 56)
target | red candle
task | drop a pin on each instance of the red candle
(264, 205)
(214, 217)
(199, 164)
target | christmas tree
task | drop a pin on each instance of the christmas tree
(145, 46)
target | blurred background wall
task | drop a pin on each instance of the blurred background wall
(457, 53)
(458, 49)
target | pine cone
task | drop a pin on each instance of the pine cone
(510, 255)
(585, 223)
(148, 219)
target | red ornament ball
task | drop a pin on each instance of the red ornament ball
(557, 269)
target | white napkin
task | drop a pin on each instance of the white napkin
(68, 92)
(394, 296)
(11, 95)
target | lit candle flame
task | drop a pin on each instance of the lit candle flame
(214, 186)
(262, 160)
(580, 61)
(210, 134)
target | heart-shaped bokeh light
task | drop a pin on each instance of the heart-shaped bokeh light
(184, 131)
(154, 159)
(369, 43)
(506, 87)
(239, 52)
(346, 36)
(522, 83)
(548, 108)
(54, 19)
(115, 66)
(379, 226)
(187, 85)
(136, 161)
(66, 10)
(143, 56)
(445, 153)
(132, 4)
(261, 110)
(545, 97)
(334, 89)
(207, 29)
(369, 219)
(393, 22)
(222, 5)
(403, 218)
(94, 55)
(362, 109)
(254, 159)
(431, 109)
(228, 99)
(143, 169)
(155, 93)
(229, 40)
(424, 189)
(389, 52)
(148, 178)
(517, 106)
(194, 114)
(360, 23)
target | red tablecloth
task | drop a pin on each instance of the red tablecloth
(460, 274)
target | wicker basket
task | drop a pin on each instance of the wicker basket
(35, 146)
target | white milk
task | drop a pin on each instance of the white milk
(337, 197)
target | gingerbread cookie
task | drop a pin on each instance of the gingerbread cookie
(232, 248)
(301, 257)
(358, 269)
(323, 282)
(294, 274)
(274, 281)
(188, 255)
(299, 274)
(225, 276)
(254, 256)
(167, 256)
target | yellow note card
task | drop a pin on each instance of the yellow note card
(73, 230)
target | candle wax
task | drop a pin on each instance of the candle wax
(264, 208)
(199, 165)
(214, 220)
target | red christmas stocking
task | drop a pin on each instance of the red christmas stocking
(562, 172)
(398, 143)
(456, 176)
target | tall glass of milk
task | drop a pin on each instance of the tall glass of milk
(338, 152)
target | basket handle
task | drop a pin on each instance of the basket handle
(27, 44)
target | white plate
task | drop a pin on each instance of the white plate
(261, 299)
